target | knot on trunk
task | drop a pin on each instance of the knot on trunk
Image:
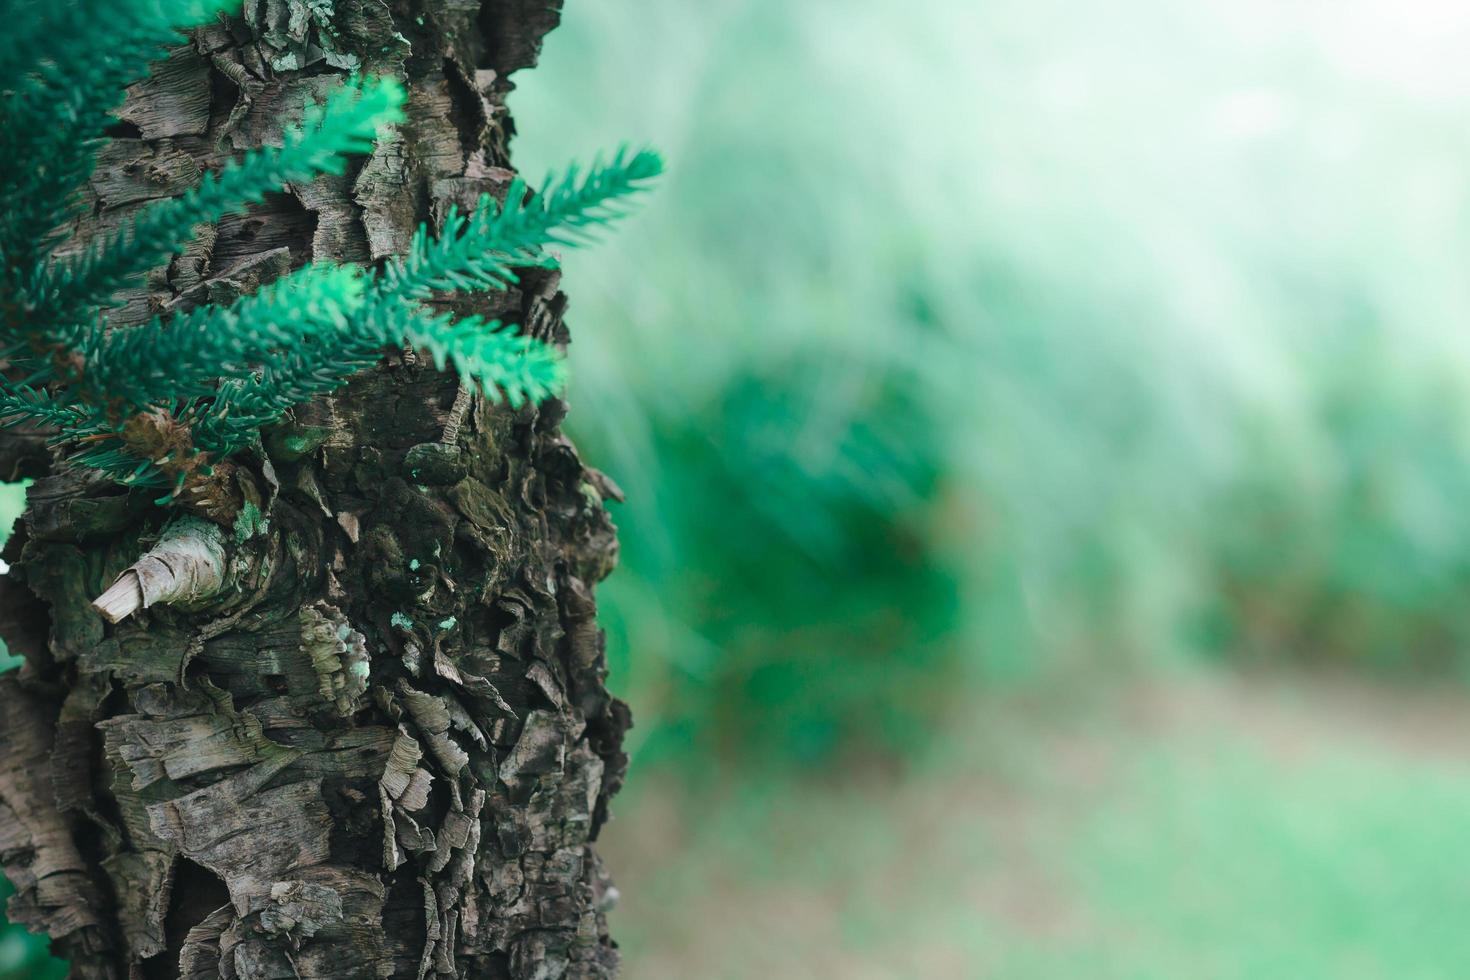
(187, 564)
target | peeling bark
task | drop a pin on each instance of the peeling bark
(377, 742)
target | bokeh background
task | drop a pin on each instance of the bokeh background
(1046, 432)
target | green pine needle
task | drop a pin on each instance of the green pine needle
(495, 357)
(24, 403)
(480, 252)
(184, 357)
(63, 68)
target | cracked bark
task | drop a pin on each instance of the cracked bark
(384, 747)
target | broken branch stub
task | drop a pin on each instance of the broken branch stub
(187, 564)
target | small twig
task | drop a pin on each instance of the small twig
(187, 563)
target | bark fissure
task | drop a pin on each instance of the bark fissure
(378, 743)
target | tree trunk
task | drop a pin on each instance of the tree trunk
(384, 749)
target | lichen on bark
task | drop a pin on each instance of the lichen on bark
(384, 746)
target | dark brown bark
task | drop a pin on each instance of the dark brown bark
(384, 749)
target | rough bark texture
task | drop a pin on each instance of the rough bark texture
(384, 749)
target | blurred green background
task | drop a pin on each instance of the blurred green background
(1047, 548)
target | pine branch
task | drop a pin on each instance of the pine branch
(496, 357)
(184, 357)
(243, 406)
(480, 252)
(318, 364)
(471, 254)
(159, 404)
(24, 403)
(64, 66)
(499, 361)
(113, 459)
(574, 209)
(30, 24)
(347, 125)
(76, 425)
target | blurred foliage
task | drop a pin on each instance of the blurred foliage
(977, 344)
(1360, 560)
(12, 502)
(22, 955)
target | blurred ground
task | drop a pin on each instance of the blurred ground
(1200, 825)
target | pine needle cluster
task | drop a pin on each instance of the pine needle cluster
(159, 403)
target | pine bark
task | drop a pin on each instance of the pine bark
(385, 749)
